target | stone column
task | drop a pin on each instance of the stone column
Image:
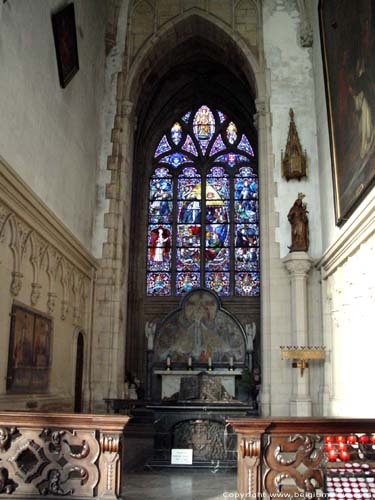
(299, 264)
(268, 251)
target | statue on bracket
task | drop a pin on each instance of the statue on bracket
(299, 221)
(150, 329)
(250, 330)
(294, 160)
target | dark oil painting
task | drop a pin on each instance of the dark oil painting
(348, 45)
(29, 351)
(64, 32)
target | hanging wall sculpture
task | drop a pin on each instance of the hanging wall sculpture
(203, 209)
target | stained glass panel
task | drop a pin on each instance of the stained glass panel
(175, 159)
(158, 284)
(160, 212)
(163, 147)
(190, 172)
(217, 213)
(217, 235)
(217, 188)
(176, 133)
(204, 126)
(162, 172)
(217, 259)
(159, 240)
(232, 159)
(246, 211)
(231, 133)
(189, 188)
(188, 259)
(246, 235)
(222, 117)
(246, 172)
(247, 284)
(218, 282)
(247, 259)
(188, 235)
(245, 188)
(189, 146)
(186, 282)
(160, 189)
(189, 212)
(245, 145)
(186, 117)
(217, 146)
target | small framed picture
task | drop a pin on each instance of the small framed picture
(64, 32)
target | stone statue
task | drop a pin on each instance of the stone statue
(150, 329)
(297, 217)
(251, 331)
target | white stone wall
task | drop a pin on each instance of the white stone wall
(348, 279)
(292, 86)
(48, 134)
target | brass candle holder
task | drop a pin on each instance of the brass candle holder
(301, 355)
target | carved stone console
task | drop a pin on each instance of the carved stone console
(51, 455)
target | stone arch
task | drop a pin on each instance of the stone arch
(174, 32)
(130, 87)
(167, 46)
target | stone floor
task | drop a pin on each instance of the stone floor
(181, 484)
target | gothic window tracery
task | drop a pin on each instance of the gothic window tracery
(203, 210)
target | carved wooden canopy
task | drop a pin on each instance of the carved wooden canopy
(294, 160)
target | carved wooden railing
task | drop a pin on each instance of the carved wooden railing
(293, 457)
(54, 455)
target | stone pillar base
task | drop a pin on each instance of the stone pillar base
(300, 407)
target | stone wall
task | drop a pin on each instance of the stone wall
(45, 268)
(347, 276)
(50, 135)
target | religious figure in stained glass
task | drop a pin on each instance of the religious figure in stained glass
(204, 123)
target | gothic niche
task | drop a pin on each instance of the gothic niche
(204, 437)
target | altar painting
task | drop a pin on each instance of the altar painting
(200, 328)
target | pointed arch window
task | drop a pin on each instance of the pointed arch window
(203, 211)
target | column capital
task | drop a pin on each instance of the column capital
(298, 263)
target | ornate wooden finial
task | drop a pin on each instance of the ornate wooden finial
(294, 160)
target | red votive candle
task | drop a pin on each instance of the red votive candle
(342, 447)
(372, 438)
(328, 439)
(344, 455)
(329, 446)
(332, 455)
(352, 439)
(340, 439)
(364, 439)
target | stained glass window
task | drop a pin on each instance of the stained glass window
(176, 133)
(203, 208)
